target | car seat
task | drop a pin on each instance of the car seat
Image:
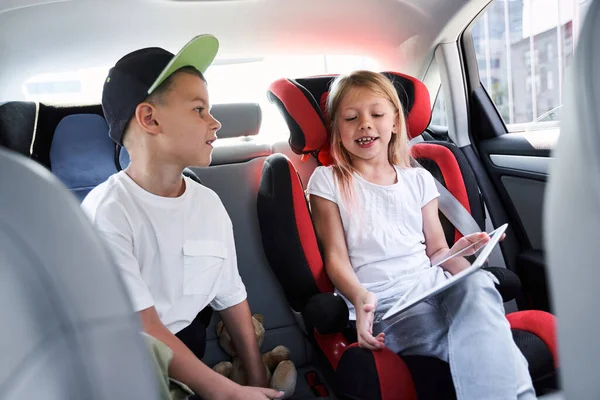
(572, 217)
(293, 250)
(68, 327)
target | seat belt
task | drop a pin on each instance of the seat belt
(453, 209)
(455, 212)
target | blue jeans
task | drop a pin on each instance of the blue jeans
(465, 326)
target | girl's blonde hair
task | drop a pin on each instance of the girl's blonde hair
(398, 151)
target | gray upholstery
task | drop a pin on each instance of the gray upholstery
(237, 150)
(572, 218)
(237, 186)
(68, 330)
(237, 119)
(240, 122)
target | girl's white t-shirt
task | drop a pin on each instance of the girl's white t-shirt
(383, 228)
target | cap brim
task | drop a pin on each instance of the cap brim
(199, 53)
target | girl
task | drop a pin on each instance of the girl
(377, 219)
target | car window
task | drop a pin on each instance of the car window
(439, 114)
(523, 49)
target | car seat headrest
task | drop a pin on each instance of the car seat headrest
(81, 153)
(17, 124)
(302, 103)
(237, 119)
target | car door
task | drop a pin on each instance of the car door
(515, 57)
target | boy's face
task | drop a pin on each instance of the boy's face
(187, 127)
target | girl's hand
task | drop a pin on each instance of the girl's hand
(365, 313)
(475, 240)
(480, 239)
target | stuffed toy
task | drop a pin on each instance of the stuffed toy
(281, 371)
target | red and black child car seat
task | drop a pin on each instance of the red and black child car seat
(293, 252)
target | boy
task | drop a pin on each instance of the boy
(171, 237)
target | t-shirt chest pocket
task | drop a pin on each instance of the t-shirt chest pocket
(202, 262)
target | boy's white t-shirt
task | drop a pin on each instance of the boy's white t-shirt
(383, 228)
(176, 254)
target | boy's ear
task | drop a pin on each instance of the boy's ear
(145, 115)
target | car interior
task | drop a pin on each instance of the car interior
(481, 82)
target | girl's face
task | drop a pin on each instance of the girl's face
(366, 122)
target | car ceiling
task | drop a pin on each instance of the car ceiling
(41, 36)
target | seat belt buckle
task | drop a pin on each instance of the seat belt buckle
(316, 386)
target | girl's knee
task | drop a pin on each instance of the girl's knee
(480, 280)
(483, 278)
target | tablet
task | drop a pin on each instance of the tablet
(402, 305)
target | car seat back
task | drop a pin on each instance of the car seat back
(572, 217)
(68, 328)
(81, 153)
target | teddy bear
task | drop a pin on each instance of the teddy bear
(281, 371)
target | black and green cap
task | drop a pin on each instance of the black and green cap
(137, 75)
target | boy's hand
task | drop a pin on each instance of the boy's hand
(238, 321)
(365, 313)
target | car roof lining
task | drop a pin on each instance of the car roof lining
(76, 34)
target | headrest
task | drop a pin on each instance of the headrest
(82, 153)
(302, 103)
(237, 119)
(17, 123)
